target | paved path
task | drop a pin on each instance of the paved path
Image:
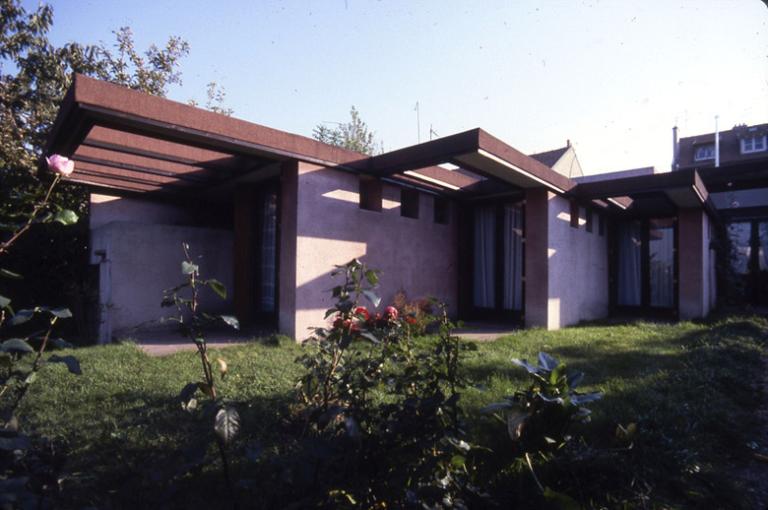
(163, 343)
(485, 332)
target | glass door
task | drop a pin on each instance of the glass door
(748, 262)
(645, 265)
(497, 261)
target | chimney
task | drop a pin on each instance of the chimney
(568, 142)
(717, 142)
(675, 150)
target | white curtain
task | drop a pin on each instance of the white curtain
(513, 257)
(268, 253)
(629, 270)
(483, 294)
(662, 266)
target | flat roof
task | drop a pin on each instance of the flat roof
(127, 140)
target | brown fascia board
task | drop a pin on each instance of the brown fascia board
(686, 181)
(474, 141)
(110, 103)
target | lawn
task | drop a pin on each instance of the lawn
(691, 388)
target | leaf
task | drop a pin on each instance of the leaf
(21, 317)
(61, 343)
(66, 217)
(523, 363)
(586, 398)
(231, 321)
(369, 336)
(547, 362)
(61, 313)
(560, 500)
(222, 367)
(372, 277)
(227, 424)
(575, 379)
(372, 297)
(189, 268)
(6, 361)
(16, 345)
(4, 302)
(32, 377)
(10, 275)
(218, 288)
(187, 391)
(516, 419)
(73, 365)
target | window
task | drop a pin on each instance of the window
(574, 214)
(441, 211)
(704, 152)
(753, 144)
(589, 220)
(370, 193)
(409, 203)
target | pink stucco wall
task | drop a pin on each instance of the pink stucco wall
(578, 268)
(137, 245)
(415, 255)
(696, 284)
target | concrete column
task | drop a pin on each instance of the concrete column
(691, 263)
(536, 257)
(286, 282)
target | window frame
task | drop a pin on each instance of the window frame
(697, 148)
(753, 142)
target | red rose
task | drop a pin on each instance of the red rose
(338, 323)
(362, 312)
(410, 319)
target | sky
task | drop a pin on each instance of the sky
(613, 77)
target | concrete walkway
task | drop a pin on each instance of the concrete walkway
(163, 343)
(485, 331)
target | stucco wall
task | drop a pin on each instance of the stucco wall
(577, 267)
(697, 283)
(415, 255)
(107, 208)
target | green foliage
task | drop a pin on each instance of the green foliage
(352, 135)
(193, 322)
(383, 411)
(539, 418)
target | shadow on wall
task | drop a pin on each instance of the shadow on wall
(416, 255)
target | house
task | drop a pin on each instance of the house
(732, 164)
(467, 218)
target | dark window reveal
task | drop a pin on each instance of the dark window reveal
(370, 193)
(574, 214)
(589, 220)
(409, 203)
(441, 211)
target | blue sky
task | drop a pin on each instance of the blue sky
(612, 76)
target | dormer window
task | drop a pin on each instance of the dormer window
(704, 152)
(752, 144)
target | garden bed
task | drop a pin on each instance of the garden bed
(689, 388)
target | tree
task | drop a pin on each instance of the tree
(34, 76)
(352, 135)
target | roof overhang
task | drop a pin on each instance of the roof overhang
(126, 140)
(648, 193)
(476, 151)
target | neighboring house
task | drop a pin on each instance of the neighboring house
(734, 170)
(494, 233)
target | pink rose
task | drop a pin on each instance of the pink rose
(391, 312)
(58, 164)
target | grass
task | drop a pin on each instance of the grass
(689, 387)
